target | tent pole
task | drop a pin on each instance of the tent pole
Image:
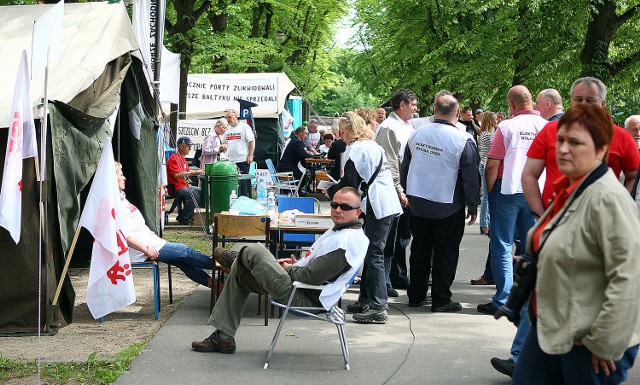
(66, 266)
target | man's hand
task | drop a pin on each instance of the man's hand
(404, 201)
(472, 219)
(151, 253)
(249, 159)
(286, 262)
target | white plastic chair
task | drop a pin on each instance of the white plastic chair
(334, 315)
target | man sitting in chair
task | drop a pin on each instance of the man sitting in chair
(145, 244)
(335, 257)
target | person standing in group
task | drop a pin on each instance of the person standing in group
(214, 145)
(404, 103)
(584, 308)
(178, 174)
(487, 128)
(440, 174)
(241, 144)
(367, 169)
(509, 211)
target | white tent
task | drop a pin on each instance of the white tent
(94, 35)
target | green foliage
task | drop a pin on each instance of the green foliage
(94, 371)
(478, 49)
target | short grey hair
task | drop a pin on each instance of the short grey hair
(588, 80)
(221, 122)
(447, 106)
(553, 95)
(441, 93)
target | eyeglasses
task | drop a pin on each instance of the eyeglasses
(343, 206)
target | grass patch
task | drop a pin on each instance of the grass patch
(93, 371)
(197, 240)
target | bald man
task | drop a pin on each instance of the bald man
(507, 205)
(549, 104)
(632, 126)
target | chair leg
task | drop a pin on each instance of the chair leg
(274, 341)
(170, 284)
(156, 291)
(343, 346)
(266, 309)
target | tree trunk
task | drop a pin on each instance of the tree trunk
(601, 30)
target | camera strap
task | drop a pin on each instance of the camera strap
(592, 177)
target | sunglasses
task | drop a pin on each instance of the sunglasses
(343, 206)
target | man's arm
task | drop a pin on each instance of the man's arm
(530, 175)
(252, 147)
(387, 140)
(469, 160)
(491, 173)
(148, 252)
(320, 269)
(629, 179)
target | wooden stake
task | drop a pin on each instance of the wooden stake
(66, 266)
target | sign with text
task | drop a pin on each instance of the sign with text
(205, 92)
(197, 130)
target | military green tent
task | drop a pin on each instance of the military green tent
(99, 72)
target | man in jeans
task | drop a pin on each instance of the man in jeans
(511, 217)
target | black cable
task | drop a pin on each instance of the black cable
(413, 341)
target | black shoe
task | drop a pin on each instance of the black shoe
(391, 292)
(487, 308)
(356, 307)
(417, 304)
(400, 285)
(504, 366)
(214, 343)
(371, 315)
(185, 222)
(450, 307)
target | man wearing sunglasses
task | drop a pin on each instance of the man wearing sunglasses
(335, 257)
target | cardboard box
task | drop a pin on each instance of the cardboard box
(313, 220)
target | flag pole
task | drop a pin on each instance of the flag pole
(66, 266)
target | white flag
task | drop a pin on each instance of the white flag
(110, 285)
(21, 144)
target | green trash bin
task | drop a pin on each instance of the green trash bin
(220, 179)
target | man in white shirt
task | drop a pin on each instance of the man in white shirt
(404, 103)
(241, 144)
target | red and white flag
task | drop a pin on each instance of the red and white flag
(21, 144)
(110, 286)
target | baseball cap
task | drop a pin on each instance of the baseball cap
(184, 140)
(479, 111)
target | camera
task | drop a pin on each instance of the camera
(523, 283)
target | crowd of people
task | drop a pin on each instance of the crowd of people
(552, 190)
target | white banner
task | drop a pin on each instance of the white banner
(47, 36)
(221, 93)
(197, 130)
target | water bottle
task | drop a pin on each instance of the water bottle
(271, 206)
(232, 198)
(262, 192)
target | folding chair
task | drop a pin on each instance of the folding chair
(334, 315)
(236, 228)
(283, 181)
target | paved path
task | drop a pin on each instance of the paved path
(414, 347)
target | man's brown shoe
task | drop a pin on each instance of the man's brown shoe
(224, 257)
(214, 343)
(483, 281)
